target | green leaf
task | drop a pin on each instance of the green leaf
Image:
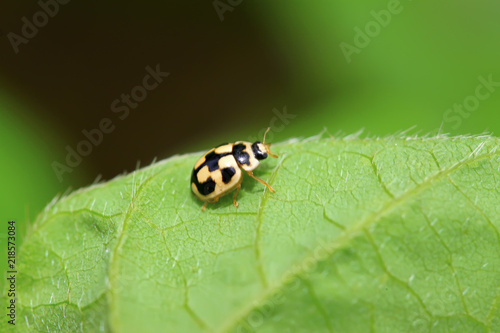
(381, 235)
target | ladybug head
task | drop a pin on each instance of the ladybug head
(262, 149)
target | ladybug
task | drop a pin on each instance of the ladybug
(218, 172)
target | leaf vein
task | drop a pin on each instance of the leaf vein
(356, 229)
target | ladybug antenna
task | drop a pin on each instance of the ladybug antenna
(264, 140)
(268, 145)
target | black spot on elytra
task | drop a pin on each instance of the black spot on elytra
(194, 179)
(212, 161)
(208, 186)
(227, 174)
(239, 154)
(204, 188)
(259, 154)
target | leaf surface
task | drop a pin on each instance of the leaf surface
(378, 235)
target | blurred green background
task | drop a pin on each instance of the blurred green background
(235, 68)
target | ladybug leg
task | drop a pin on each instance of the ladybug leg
(211, 201)
(250, 173)
(268, 146)
(234, 198)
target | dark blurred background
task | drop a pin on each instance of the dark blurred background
(235, 68)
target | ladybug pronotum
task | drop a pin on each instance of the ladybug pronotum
(218, 172)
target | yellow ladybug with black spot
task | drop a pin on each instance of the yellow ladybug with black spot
(218, 172)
